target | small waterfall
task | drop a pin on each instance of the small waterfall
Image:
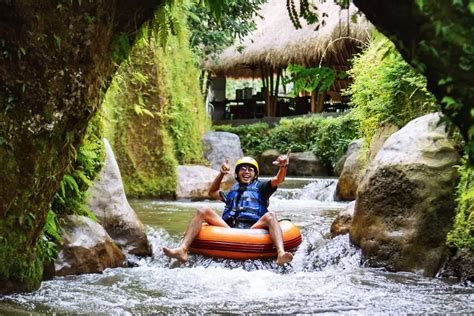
(321, 190)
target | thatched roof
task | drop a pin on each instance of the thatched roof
(277, 43)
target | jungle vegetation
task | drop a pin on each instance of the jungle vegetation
(58, 58)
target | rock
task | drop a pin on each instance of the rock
(305, 164)
(265, 162)
(194, 182)
(405, 201)
(381, 135)
(221, 146)
(460, 265)
(342, 222)
(354, 166)
(86, 248)
(340, 165)
(110, 205)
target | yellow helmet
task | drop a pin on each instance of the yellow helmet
(247, 161)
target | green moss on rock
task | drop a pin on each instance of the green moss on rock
(155, 116)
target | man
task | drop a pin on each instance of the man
(246, 206)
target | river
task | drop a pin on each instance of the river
(326, 275)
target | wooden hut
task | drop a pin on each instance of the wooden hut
(276, 43)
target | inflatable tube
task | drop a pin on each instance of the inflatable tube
(234, 243)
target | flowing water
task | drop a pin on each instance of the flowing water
(326, 275)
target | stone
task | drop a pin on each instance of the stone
(265, 162)
(378, 139)
(405, 202)
(194, 182)
(354, 166)
(110, 205)
(86, 248)
(342, 222)
(340, 165)
(221, 146)
(305, 164)
(459, 265)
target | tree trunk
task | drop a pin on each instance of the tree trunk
(436, 38)
(55, 59)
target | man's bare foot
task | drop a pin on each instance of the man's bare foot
(283, 258)
(178, 253)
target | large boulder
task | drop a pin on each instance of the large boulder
(383, 132)
(194, 182)
(265, 162)
(405, 202)
(221, 146)
(86, 248)
(110, 205)
(353, 168)
(342, 222)
(306, 164)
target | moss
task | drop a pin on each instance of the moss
(155, 117)
(462, 234)
(386, 88)
(20, 270)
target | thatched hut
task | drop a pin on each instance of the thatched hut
(267, 52)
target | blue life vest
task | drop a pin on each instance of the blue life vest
(251, 205)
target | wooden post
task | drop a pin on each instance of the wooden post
(319, 103)
(313, 101)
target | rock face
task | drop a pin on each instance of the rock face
(194, 182)
(342, 223)
(305, 164)
(114, 213)
(405, 203)
(265, 162)
(460, 265)
(86, 248)
(351, 172)
(219, 146)
(381, 135)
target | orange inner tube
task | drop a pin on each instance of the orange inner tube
(235, 243)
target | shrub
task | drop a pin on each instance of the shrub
(334, 136)
(296, 134)
(328, 138)
(386, 88)
(253, 137)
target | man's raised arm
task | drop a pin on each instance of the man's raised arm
(282, 161)
(216, 184)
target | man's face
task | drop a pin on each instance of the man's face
(246, 174)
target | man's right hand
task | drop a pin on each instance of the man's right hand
(225, 167)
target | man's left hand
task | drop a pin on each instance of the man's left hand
(283, 160)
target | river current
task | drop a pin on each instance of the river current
(326, 276)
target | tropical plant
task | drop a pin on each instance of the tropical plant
(385, 88)
(310, 79)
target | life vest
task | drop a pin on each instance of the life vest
(249, 207)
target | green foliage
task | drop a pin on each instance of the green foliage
(386, 88)
(155, 115)
(462, 234)
(327, 138)
(211, 34)
(310, 79)
(120, 48)
(333, 138)
(253, 137)
(167, 22)
(88, 161)
(20, 262)
(296, 134)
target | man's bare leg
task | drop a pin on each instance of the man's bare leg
(203, 214)
(270, 220)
